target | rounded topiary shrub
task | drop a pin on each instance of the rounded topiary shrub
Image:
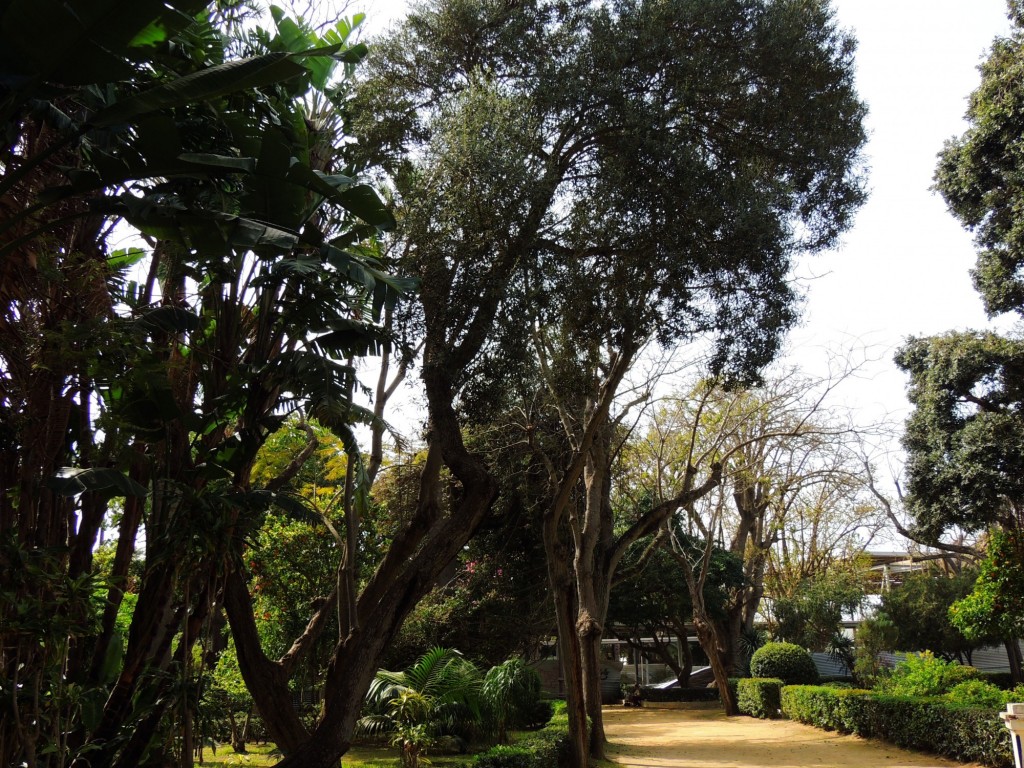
(786, 661)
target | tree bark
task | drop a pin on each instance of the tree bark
(710, 641)
(1014, 656)
(569, 657)
(266, 680)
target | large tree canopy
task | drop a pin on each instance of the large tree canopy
(979, 172)
(648, 167)
(965, 435)
(965, 438)
(576, 179)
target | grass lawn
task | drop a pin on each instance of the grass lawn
(357, 757)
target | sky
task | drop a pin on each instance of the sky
(903, 268)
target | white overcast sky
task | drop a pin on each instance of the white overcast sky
(902, 270)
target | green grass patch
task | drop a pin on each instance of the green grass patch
(260, 755)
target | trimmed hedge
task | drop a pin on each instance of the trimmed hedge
(787, 661)
(931, 724)
(679, 694)
(759, 696)
(546, 748)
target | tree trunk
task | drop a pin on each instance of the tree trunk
(410, 568)
(709, 641)
(1014, 656)
(237, 743)
(589, 635)
(569, 657)
(266, 680)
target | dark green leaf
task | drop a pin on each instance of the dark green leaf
(70, 481)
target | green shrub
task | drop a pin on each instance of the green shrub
(925, 675)
(546, 748)
(786, 661)
(679, 694)
(969, 734)
(540, 714)
(504, 756)
(1003, 680)
(759, 696)
(835, 709)
(977, 693)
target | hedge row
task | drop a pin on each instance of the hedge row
(970, 734)
(546, 748)
(759, 696)
(678, 694)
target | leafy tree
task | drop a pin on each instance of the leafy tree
(812, 615)
(917, 609)
(965, 435)
(781, 456)
(977, 171)
(995, 607)
(155, 373)
(620, 173)
(651, 599)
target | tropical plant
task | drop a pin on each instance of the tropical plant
(437, 696)
(154, 373)
(510, 693)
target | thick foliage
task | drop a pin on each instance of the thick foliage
(978, 173)
(811, 615)
(925, 675)
(786, 661)
(546, 748)
(977, 693)
(759, 696)
(926, 724)
(965, 437)
(154, 373)
(917, 614)
(995, 608)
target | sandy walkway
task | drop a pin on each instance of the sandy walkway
(674, 738)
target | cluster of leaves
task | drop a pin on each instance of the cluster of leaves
(444, 694)
(812, 615)
(924, 674)
(995, 608)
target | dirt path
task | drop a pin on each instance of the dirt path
(676, 738)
